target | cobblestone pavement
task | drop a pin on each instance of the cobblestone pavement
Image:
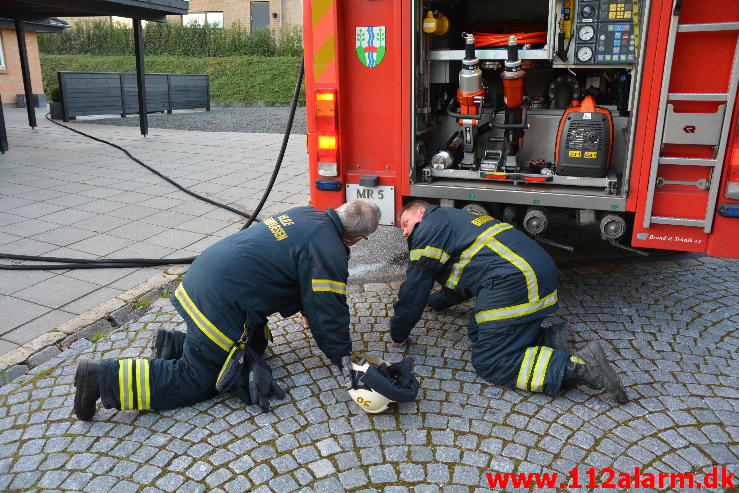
(670, 328)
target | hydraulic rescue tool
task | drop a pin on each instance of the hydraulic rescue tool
(470, 96)
(503, 158)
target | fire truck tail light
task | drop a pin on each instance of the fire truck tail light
(326, 110)
(734, 165)
(328, 169)
(326, 142)
(327, 155)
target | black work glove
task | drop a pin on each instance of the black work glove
(262, 384)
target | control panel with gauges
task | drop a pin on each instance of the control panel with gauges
(606, 32)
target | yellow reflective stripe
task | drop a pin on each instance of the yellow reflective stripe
(540, 370)
(430, 252)
(525, 371)
(131, 402)
(125, 380)
(328, 285)
(577, 359)
(517, 310)
(210, 330)
(225, 363)
(147, 399)
(142, 384)
(532, 285)
(139, 382)
(472, 250)
(121, 386)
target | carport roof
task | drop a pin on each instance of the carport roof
(153, 10)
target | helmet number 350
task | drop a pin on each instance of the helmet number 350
(364, 402)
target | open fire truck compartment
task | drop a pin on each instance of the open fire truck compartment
(616, 111)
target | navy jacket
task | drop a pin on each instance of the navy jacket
(290, 262)
(467, 252)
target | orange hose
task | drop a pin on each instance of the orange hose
(483, 39)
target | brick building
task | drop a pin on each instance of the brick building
(224, 13)
(11, 78)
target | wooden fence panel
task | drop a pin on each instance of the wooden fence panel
(102, 93)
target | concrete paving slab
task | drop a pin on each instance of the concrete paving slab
(91, 300)
(36, 209)
(134, 278)
(43, 324)
(101, 223)
(142, 249)
(12, 281)
(101, 244)
(56, 291)
(17, 312)
(69, 216)
(8, 219)
(131, 212)
(175, 238)
(8, 238)
(63, 236)
(29, 246)
(70, 200)
(137, 231)
(26, 228)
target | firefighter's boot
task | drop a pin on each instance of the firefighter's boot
(590, 367)
(557, 336)
(168, 344)
(86, 380)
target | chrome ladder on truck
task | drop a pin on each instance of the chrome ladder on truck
(708, 129)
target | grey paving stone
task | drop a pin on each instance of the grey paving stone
(170, 482)
(382, 474)
(260, 474)
(353, 478)
(283, 483)
(322, 468)
(101, 483)
(217, 477)
(52, 479)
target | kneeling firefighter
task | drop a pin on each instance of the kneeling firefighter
(290, 262)
(514, 282)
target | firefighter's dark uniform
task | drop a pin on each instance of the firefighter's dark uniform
(514, 280)
(289, 262)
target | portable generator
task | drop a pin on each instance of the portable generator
(584, 140)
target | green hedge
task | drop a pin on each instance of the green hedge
(250, 79)
(101, 37)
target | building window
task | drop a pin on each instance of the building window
(213, 19)
(2, 54)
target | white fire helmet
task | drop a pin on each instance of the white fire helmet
(368, 399)
(373, 384)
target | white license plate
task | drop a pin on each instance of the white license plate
(383, 196)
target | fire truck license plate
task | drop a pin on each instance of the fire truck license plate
(383, 196)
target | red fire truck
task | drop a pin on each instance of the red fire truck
(616, 112)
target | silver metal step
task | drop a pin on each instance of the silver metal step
(688, 161)
(712, 26)
(678, 221)
(697, 96)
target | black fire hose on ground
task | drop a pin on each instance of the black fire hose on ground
(103, 263)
